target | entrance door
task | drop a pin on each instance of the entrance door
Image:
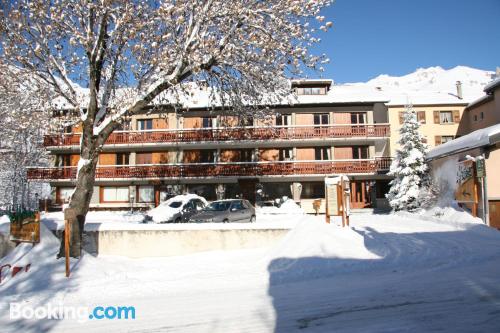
(248, 188)
(360, 194)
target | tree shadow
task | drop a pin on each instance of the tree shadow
(421, 281)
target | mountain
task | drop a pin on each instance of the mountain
(433, 83)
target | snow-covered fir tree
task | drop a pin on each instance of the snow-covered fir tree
(410, 188)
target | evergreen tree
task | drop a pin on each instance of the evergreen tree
(410, 171)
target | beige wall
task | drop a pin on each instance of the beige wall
(144, 243)
(492, 174)
(430, 129)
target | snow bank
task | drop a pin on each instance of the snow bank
(287, 207)
(55, 220)
(42, 260)
(314, 249)
(4, 224)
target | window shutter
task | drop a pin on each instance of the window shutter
(438, 140)
(456, 116)
(421, 116)
(436, 117)
(401, 117)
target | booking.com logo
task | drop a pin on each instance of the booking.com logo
(80, 313)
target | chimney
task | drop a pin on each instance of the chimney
(459, 90)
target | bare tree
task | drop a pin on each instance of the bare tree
(22, 125)
(132, 53)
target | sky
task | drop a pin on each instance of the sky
(395, 37)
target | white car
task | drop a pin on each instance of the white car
(177, 209)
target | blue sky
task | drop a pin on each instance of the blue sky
(395, 37)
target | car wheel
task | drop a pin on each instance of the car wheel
(178, 220)
(253, 219)
(225, 221)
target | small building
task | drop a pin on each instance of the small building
(478, 138)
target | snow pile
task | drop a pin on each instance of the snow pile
(452, 215)
(42, 260)
(4, 224)
(315, 249)
(288, 206)
(55, 220)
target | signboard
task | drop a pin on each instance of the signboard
(25, 229)
(466, 182)
(480, 170)
(332, 199)
(337, 198)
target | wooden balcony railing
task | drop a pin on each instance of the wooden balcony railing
(237, 169)
(230, 134)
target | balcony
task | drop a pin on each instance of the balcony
(208, 170)
(229, 134)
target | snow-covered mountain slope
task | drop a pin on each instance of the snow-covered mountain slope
(430, 85)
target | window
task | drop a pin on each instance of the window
(237, 205)
(144, 124)
(246, 155)
(482, 115)
(283, 120)
(321, 119)
(440, 139)
(65, 194)
(311, 91)
(359, 152)
(445, 117)
(207, 156)
(475, 117)
(286, 154)
(421, 117)
(446, 138)
(145, 193)
(207, 122)
(322, 153)
(114, 194)
(122, 158)
(313, 190)
(358, 118)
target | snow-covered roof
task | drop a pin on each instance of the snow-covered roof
(480, 138)
(433, 85)
(492, 85)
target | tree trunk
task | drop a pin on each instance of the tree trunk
(80, 200)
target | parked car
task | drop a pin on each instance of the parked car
(176, 210)
(232, 210)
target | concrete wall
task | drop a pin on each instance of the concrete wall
(164, 243)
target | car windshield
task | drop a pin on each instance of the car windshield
(175, 204)
(218, 206)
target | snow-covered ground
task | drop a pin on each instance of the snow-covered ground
(387, 273)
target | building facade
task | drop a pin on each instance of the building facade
(438, 122)
(478, 137)
(218, 155)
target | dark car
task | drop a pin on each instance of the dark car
(232, 210)
(177, 209)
